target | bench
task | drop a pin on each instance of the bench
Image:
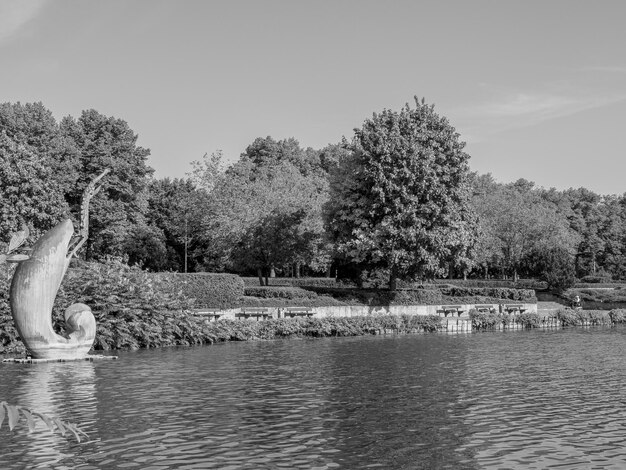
(451, 310)
(513, 308)
(208, 313)
(485, 308)
(297, 312)
(256, 312)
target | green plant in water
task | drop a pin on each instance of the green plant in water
(568, 317)
(485, 320)
(529, 320)
(618, 315)
(14, 413)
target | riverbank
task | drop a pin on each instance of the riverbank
(164, 329)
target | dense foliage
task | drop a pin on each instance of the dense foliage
(403, 205)
(204, 289)
(400, 201)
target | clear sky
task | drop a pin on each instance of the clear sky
(536, 88)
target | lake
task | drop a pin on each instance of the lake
(521, 399)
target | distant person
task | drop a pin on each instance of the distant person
(576, 304)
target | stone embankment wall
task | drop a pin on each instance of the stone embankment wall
(364, 310)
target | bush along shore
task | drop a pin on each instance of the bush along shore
(136, 309)
(134, 329)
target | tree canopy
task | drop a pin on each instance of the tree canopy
(400, 200)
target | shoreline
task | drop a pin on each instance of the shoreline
(205, 331)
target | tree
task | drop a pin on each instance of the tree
(205, 172)
(175, 211)
(275, 241)
(555, 266)
(518, 223)
(37, 168)
(117, 210)
(266, 187)
(29, 193)
(400, 201)
(33, 126)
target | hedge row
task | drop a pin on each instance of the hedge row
(600, 285)
(206, 289)
(133, 330)
(489, 320)
(426, 296)
(353, 296)
(292, 281)
(509, 283)
(320, 301)
(596, 295)
(504, 293)
(571, 317)
(279, 292)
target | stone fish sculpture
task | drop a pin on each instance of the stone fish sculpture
(35, 284)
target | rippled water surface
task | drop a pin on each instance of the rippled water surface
(537, 399)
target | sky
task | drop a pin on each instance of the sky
(537, 88)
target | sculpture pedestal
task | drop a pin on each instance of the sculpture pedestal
(30, 360)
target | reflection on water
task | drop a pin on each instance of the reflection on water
(493, 400)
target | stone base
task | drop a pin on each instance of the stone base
(30, 360)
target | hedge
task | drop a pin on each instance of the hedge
(504, 293)
(319, 301)
(292, 281)
(569, 317)
(206, 289)
(596, 295)
(279, 292)
(519, 284)
(600, 285)
(381, 297)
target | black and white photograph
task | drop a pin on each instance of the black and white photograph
(318, 235)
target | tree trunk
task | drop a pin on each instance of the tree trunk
(298, 270)
(267, 283)
(260, 274)
(328, 272)
(393, 279)
(272, 272)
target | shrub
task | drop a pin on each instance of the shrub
(265, 292)
(207, 289)
(529, 320)
(504, 293)
(292, 281)
(598, 277)
(319, 301)
(375, 297)
(596, 295)
(598, 317)
(600, 285)
(618, 315)
(568, 317)
(484, 320)
(9, 339)
(509, 283)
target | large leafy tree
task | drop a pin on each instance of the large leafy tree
(117, 212)
(519, 227)
(269, 185)
(33, 125)
(175, 215)
(28, 190)
(37, 168)
(400, 201)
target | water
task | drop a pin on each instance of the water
(537, 399)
